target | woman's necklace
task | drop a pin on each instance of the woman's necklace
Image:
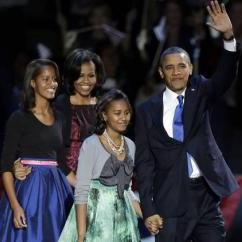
(118, 149)
(76, 100)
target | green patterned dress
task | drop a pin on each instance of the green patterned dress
(110, 214)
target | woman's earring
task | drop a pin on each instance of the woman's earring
(104, 119)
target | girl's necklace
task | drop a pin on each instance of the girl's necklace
(118, 149)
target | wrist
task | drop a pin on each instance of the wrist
(228, 36)
(14, 205)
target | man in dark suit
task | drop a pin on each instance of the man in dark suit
(181, 172)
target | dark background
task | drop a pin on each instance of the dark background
(123, 33)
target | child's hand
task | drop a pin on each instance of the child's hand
(19, 218)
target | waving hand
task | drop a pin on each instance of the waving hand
(220, 20)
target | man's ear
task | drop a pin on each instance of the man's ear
(161, 72)
(191, 69)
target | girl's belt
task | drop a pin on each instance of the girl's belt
(39, 162)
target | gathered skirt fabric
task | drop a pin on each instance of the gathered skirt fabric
(46, 198)
(109, 218)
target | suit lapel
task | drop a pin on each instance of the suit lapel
(189, 109)
(157, 110)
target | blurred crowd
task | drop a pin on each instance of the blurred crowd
(129, 36)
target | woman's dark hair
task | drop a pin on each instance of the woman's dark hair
(72, 69)
(103, 105)
(33, 69)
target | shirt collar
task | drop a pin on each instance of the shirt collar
(169, 95)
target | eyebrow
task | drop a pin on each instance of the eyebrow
(180, 63)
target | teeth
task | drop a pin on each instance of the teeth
(51, 90)
(85, 87)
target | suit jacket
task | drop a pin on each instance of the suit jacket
(161, 161)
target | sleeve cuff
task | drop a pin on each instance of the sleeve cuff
(230, 45)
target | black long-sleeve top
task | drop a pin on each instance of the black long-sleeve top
(27, 137)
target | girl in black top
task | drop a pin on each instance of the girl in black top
(35, 209)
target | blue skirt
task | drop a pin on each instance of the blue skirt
(46, 198)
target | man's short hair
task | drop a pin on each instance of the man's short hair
(173, 50)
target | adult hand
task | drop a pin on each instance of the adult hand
(20, 171)
(220, 20)
(154, 223)
(19, 218)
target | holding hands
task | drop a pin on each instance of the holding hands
(154, 223)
